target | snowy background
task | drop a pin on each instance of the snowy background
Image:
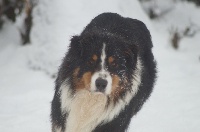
(26, 72)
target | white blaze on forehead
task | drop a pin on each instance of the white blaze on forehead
(103, 57)
(103, 73)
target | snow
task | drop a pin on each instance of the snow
(27, 86)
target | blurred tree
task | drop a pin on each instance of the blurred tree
(176, 35)
(197, 2)
(27, 23)
(157, 9)
(153, 8)
(12, 8)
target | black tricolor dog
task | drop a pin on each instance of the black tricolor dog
(105, 77)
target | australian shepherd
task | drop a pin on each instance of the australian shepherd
(106, 76)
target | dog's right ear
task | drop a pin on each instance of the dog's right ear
(76, 47)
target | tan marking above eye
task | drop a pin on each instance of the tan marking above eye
(110, 59)
(94, 57)
(112, 62)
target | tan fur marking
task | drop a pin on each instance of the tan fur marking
(83, 82)
(94, 57)
(116, 89)
(110, 59)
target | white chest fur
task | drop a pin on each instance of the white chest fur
(85, 110)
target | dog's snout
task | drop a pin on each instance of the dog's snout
(101, 84)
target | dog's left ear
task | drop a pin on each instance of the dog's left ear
(76, 46)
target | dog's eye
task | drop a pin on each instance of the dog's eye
(91, 62)
(114, 64)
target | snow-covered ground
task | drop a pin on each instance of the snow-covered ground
(26, 83)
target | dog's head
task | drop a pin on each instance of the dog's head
(101, 63)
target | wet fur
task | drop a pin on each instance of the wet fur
(130, 39)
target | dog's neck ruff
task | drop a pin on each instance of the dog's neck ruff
(108, 113)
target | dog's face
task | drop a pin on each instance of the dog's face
(104, 65)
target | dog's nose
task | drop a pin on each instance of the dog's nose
(101, 84)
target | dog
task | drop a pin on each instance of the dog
(106, 76)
